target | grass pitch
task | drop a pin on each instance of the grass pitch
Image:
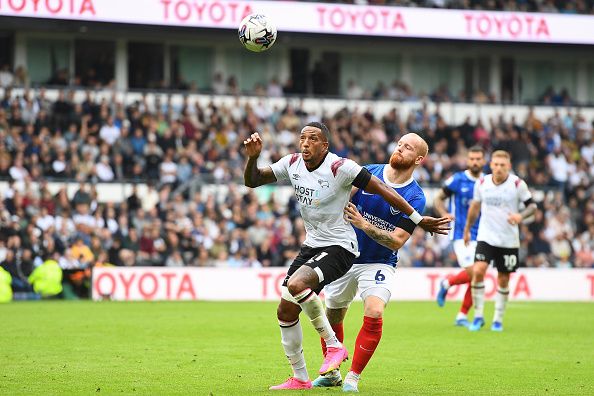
(202, 348)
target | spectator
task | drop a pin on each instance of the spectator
(6, 76)
(109, 132)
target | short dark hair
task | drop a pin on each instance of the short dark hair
(477, 149)
(322, 127)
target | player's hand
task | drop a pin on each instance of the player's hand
(253, 145)
(352, 215)
(466, 237)
(514, 218)
(437, 226)
(450, 216)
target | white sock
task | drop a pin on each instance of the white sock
(500, 304)
(352, 377)
(292, 339)
(314, 309)
(461, 315)
(478, 296)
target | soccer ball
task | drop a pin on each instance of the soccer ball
(256, 33)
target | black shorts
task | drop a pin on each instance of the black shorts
(334, 261)
(504, 259)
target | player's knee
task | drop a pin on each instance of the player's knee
(374, 312)
(286, 314)
(296, 286)
(335, 316)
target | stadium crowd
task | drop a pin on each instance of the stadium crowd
(168, 146)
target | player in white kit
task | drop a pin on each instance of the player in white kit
(322, 182)
(497, 197)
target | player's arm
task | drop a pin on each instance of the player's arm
(393, 240)
(525, 196)
(473, 213)
(516, 218)
(428, 223)
(439, 203)
(254, 176)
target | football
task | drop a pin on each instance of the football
(257, 33)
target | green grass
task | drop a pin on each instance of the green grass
(202, 348)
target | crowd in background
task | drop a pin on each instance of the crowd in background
(168, 145)
(549, 6)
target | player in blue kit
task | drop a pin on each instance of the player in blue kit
(381, 231)
(459, 188)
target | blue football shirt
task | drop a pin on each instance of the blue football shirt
(379, 213)
(460, 188)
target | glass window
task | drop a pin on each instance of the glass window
(590, 99)
(191, 68)
(48, 61)
(545, 81)
(94, 62)
(432, 73)
(251, 70)
(374, 73)
(146, 65)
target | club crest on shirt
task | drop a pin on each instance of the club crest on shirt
(324, 183)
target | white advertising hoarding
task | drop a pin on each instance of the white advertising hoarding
(320, 18)
(248, 284)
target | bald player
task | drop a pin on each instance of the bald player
(381, 230)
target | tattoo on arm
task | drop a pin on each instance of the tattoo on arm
(382, 237)
(529, 211)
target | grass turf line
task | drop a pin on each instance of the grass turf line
(203, 348)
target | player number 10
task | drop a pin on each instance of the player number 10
(510, 261)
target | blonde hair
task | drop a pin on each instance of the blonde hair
(501, 154)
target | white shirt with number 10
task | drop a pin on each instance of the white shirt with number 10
(497, 203)
(322, 195)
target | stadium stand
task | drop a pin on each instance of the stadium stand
(174, 151)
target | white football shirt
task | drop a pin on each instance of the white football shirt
(322, 195)
(497, 203)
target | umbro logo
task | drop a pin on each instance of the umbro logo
(295, 176)
(394, 211)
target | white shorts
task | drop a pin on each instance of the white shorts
(370, 279)
(464, 254)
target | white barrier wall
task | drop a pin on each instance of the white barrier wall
(247, 284)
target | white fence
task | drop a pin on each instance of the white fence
(248, 284)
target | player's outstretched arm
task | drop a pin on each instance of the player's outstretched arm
(427, 223)
(392, 240)
(254, 176)
(473, 212)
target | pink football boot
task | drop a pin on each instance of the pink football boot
(333, 359)
(292, 383)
